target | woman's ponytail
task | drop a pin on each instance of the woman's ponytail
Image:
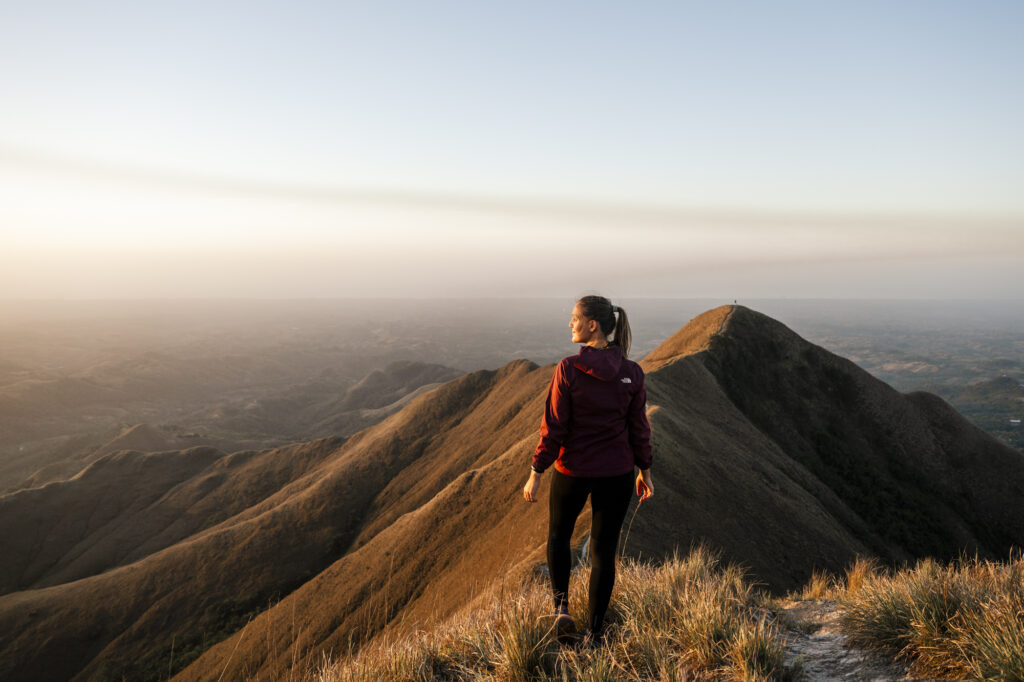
(623, 336)
(601, 309)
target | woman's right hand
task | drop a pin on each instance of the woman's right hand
(644, 485)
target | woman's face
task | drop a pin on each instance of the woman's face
(582, 327)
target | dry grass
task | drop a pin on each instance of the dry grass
(962, 621)
(687, 619)
(858, 573)
(820, 586)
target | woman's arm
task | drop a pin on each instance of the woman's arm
(639, 427)
(640, 440)
(554, 427)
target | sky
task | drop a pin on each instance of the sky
(483, 149)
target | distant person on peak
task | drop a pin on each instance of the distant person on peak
(595, 431)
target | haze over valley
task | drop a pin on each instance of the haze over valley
(77, 377)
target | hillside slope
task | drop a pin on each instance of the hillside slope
(720, 477)
(783, 455)
(205, 586)
(924, 479)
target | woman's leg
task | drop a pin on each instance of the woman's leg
(609, 501)
(568, 495)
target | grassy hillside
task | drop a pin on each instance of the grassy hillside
(693, 618)
(684, 619)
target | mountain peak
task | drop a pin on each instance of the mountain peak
(735, 321)
(693, 337)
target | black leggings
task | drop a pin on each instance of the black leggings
(609, 501)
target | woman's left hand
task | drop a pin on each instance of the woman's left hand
(644, 485)
(531, 487)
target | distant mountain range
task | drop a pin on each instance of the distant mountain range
(784, 456)
(222, 412)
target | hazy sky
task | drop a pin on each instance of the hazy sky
(712, 149)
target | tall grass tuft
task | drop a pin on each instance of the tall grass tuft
(859, 573)
(820, 586)
(524, 641)
(757, 652)
(689, 618)
(963, 620)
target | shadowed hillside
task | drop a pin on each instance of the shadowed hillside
(923, 480)
(785, 456)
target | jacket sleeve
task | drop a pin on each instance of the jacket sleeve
(554, 426)
(639, 427)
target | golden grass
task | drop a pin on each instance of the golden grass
(687, 619)
(961, 621)
(858, 573)
(823, 585)
(820, 586)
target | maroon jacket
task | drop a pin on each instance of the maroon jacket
(595, 418)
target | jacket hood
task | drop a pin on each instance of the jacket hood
(603, 364)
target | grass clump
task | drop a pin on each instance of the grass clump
(820, 586)
(963, 620)
(689, 618)
(858, 573)
(755, 652)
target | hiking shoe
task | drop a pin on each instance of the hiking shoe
(565, 628)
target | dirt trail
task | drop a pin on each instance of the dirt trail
(725, 319)
(824, 650)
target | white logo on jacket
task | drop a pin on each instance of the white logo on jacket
(627, 380)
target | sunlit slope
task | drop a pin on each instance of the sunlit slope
(410, 519)
(204, 587)
(128, 505)
(446, 528)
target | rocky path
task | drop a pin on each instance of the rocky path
(824, 650)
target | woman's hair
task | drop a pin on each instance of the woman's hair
(601, 310)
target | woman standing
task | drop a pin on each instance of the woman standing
(595, 431)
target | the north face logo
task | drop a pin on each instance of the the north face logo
(627, 380)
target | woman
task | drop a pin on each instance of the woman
(595, 431)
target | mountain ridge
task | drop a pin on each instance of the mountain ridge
(407, 520)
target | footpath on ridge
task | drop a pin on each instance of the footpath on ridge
(817, 641)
